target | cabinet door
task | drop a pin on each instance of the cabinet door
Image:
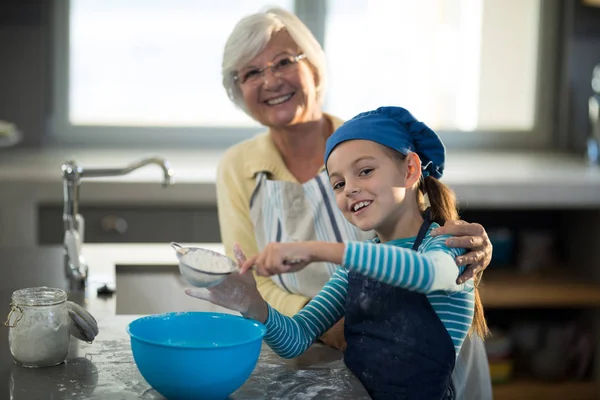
(134, 224)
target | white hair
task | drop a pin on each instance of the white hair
(251, 35)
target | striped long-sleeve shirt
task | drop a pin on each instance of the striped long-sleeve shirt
(432, 271)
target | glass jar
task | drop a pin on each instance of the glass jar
(39, 327)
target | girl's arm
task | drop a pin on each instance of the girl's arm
(291, 336)
(434, 269)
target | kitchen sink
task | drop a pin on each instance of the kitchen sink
(154, 289)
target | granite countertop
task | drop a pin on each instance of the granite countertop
(105, 368)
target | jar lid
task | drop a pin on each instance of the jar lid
(39, 296)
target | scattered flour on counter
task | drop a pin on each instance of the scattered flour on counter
(207, 261)
(331, 381)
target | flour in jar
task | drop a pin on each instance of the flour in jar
(208, 261)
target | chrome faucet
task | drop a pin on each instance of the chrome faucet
(76, 268)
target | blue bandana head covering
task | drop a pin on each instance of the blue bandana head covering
(397, 129)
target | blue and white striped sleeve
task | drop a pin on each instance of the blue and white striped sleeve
(290, 337)
(434, 269)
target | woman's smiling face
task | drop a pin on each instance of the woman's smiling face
(287, 99)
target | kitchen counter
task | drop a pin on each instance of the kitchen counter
(488, 180)
(105, 368)
(480, 178)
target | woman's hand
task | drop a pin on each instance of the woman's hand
(280, 258)
(237, 292)
(470, 236)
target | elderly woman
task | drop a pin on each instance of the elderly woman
(273, 187)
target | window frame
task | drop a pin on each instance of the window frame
(313, 13)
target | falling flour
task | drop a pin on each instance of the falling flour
(208, 261)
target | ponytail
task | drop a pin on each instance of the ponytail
(442, 208)
(442, 200)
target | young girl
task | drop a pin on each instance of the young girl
(406, 318)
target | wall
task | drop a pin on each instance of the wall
(25, 66)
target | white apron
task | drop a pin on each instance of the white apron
(292, 212)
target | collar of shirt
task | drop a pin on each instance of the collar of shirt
(263, 156)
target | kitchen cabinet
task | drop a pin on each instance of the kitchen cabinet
(527, 390)
(548, 295)
(134, 224)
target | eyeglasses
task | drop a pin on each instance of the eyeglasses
(279, 67)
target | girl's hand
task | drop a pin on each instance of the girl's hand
(238, 292)
(279, 258)
(470, 236)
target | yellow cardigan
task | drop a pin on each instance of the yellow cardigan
(236, 174)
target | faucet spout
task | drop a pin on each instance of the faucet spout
(168, 173)
(75, 266)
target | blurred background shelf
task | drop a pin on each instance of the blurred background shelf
(526, 390)
(511, 289)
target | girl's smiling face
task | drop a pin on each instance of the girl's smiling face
(369, 183)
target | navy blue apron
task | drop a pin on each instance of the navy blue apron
(397, 345)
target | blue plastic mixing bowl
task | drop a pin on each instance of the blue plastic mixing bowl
(195, 355)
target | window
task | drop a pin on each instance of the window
(157, 62)
(142, 70)
(147, 70)
(458, 64)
